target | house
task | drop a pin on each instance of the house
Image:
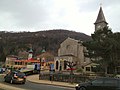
(20, 61)
(46, 59)
(90, 68)
(13, 62)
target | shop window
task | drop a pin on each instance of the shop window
(16, 63)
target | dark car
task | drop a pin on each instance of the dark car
(106, 83)
(15, 77)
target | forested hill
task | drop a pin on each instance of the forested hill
(11, 42)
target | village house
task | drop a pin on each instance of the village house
(21, 61)
(25, 59)
(14, 62)
(46, 59)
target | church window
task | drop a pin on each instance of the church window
(68, 47)
(57, 65)
(65, 65)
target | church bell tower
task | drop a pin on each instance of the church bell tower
(100, 22)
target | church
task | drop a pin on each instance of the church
(72, 50)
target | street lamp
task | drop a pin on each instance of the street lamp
(41, 61)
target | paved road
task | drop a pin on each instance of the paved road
(34, 86)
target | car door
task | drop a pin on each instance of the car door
(110, 84)
(8, 77)
(96, 85)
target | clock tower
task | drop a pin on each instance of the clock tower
(100, 22)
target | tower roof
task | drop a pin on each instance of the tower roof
(30, 51)
(100, 17)
(43, 51)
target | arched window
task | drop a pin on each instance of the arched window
(65, 65)
(57, 63)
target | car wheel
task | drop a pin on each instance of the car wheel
(82, 88)
(23, 82)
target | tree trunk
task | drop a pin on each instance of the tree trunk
(115, 72)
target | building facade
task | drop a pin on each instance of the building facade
(13, 62)
(70, 50)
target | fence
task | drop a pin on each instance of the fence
(66, 78)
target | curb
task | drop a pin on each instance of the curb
(46, 82)
(50, 84)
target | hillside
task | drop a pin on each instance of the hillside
(12, 42)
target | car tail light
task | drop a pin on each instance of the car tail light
(24, 76)
(15, 76)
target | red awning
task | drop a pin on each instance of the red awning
(34, 61)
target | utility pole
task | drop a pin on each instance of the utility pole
(40, 70)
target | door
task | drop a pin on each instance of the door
(96, 85)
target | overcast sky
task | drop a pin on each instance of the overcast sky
(75, 15)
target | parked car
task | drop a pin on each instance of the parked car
(15, 77)
(106, 83)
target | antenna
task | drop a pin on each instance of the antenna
(100, 4)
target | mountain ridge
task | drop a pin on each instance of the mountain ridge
(14, 42)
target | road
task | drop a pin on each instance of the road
(34, 86)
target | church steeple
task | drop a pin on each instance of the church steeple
(30, 55)
(100, 22)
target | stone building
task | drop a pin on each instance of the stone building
(73, 51)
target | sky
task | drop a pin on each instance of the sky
(73, 15)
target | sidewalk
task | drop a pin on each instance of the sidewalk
(35, 79)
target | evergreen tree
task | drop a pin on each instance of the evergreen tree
(104, 48)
